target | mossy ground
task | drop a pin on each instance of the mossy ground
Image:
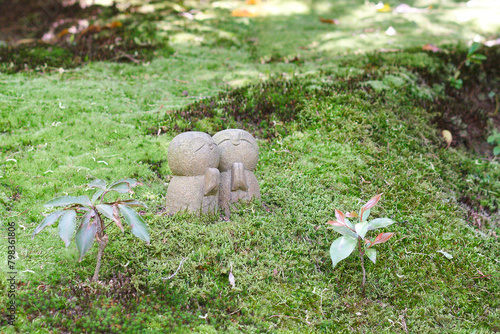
(334, 129)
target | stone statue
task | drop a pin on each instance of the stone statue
(193, 158)
(239, 154)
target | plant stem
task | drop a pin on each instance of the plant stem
(103, 241)
(102, 244)
(361, 257)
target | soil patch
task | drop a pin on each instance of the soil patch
(471, 112)
(54, 33)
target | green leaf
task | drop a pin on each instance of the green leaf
(496, 150)
(366, 213)
(97, 194)
(86, 234)
(124, 186)
(139, 228)
(67, 225)
(106, 210)
(479, 57)
(379, 223)
(348, 223)
(372, 254)
(98, 184)
(361, 229)
(473, 48)
(110, 212)
(47, 221)
(68, 200)
(344, 230)
(341, 248)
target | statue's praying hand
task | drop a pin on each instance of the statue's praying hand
(239, 154)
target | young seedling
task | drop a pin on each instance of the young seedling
(91, 217)
(473, 57)
(494, 139)
(354, 235)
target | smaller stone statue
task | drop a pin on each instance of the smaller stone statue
(239, 154)
(193, 158)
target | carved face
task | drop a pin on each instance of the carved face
(237, 146)
(192, 153)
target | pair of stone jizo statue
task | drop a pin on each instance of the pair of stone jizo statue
(211, 172)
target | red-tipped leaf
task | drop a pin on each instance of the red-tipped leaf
(335, 223)
(370, 204)
(340, 216)
(352, 214)
(381, 238)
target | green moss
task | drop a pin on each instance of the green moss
(328, 139)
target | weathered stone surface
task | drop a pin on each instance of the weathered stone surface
(239, 154)
(193, 158)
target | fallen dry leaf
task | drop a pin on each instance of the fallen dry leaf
(92, 29)
(114, 25)
(231, 279)
(431, 47)
(329, 21)
(447, 137)
(240, 12)
(63, 33)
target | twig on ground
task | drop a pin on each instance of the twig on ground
(129, 57)
(179, 268)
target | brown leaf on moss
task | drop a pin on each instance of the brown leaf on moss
(329, 21)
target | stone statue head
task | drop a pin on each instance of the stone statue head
(236, 146)
(192, 153)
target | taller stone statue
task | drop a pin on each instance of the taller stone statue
(239, 154)
(193, 158)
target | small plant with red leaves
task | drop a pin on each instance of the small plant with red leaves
(354, 235)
